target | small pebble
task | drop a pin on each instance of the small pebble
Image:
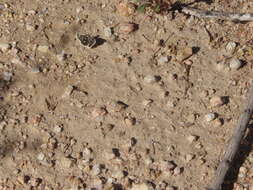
(204, 93)
(217, 101)
(171, 104)
(172, 76)
(35, 70)
(108, 32)
(7, 76)
(99, 111)
(130, 121)
(67, 162)
(41, 156)
(191, 118)
(127, 28)
(31, 12)
(126, 8)
(243, 170)
(163, 60)
(147, 102)
(43, 49)
(52, 143)
(192, 138)
(189, 157)
(35, 182)
(68, 91)
(171, 165)
(30, 28)
(96, 169)
(57, 129)
(118, 106)
(210, 117)
(178, 170)
(118, 174)
(86, 152)
(188, 62)
(217, 122)
(16, 171)
(142, 186)
(235, 64)
(167, 166)
(148, 161)
(61, 56)
(151, 79)
(24, 179)
(198, 146)
(109, 155)
(230, 47)
(4, 47)
(170, 188)
(222, 66)
(185, 54)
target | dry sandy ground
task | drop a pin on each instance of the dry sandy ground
(146, 109)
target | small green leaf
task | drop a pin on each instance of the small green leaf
(142, 8)
(157, 8)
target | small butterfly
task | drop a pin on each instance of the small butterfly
(87, 40)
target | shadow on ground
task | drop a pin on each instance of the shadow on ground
(244, 150)
(6, 146)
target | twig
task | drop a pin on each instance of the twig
(241, 17)
(234, 143)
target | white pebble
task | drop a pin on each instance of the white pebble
(222, 66)
(243, 170)
(192, 138)
(35, 70)
(148, 161)
(40, 156)
(4, 47)
(210, 117)
(87, 152)
(171, 104)
(57, 129)
(96, 169)
(230, 47)
(235, 64)
(68, 91)
(170, 188)
(142, 186)
(189, 157)
(109, 155)
(118, 174)
(147, 102)
(31, 12)
(61, 57)
(30, 27)
(217, 122)
(43, 49)
(108, 32)
(178, 170)
(217, 101)
(163, 60)
(7, 76)
(67, 162)
(151, 79)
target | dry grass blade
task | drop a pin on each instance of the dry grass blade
(241, 17)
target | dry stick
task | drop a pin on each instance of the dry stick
(241, 17)
(234, 144)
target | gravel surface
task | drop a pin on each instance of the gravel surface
(95, 95)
